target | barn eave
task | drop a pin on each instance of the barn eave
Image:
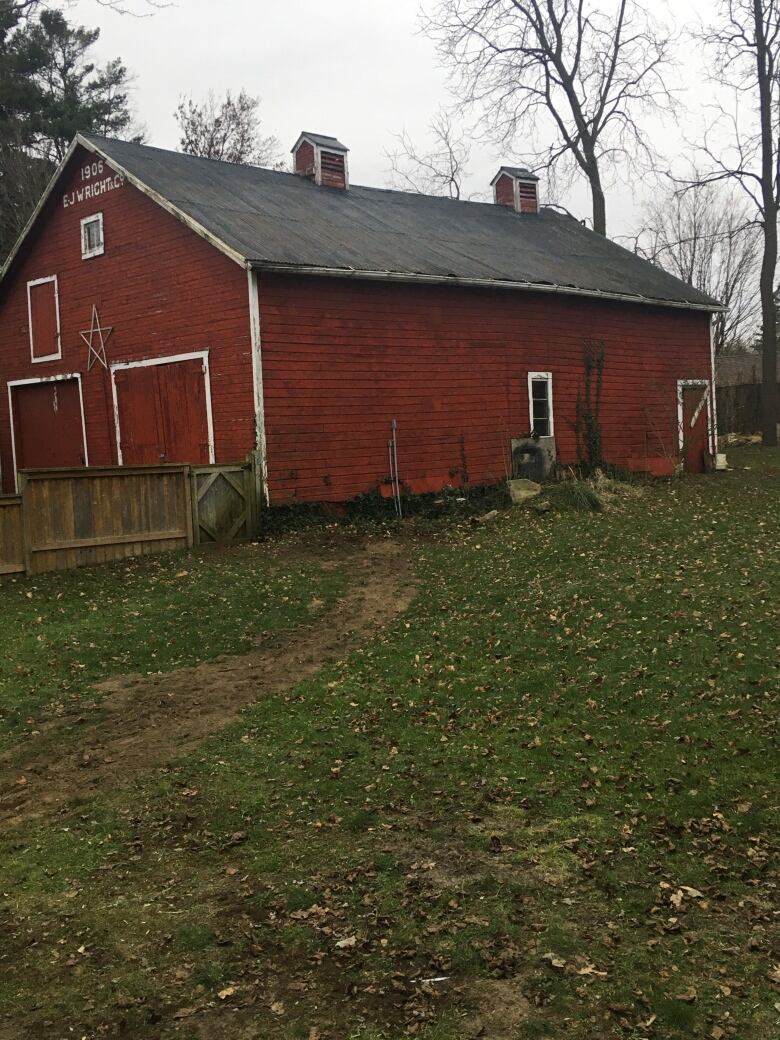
(483, 283)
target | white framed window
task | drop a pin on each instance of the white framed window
(43, 314)
(540, 403)
(92, 243)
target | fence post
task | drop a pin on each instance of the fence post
(255, 493)
(191, 506)
(26, 536)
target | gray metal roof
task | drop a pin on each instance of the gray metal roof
(274, 220)
(321, 139)
(516, 171)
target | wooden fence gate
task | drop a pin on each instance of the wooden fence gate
(224, 504)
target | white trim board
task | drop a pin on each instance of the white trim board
(548, 378)
(31, 285)
(713, 392)
(681, 385)
(32, 382)
(171, 359)
(257, 374)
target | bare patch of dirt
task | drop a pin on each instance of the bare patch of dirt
(148, 720)
(501, 1009)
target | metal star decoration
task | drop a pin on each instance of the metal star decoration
(96, 353)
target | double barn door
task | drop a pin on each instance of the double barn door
(163, 413)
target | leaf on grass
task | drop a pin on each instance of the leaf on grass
(556, 962)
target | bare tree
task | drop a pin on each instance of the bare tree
(707, 237)
(227, 129)
(440, 170)
(746, 46)
(136, 8)
(558, 70)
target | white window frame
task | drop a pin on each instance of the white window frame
(30, 286)
(171, 359)
(30, 382)
(547, 376)
(87, 254)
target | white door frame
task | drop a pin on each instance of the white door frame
(30, 382)
(682, 384)
(171, 359)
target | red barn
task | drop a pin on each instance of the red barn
(166, 308)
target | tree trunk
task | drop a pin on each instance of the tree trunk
(599, 206)
(764, 75)
(769, 395)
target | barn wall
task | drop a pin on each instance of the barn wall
(342, 358)
(162, 288)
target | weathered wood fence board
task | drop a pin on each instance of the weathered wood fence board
(11, 535)
(75, 517)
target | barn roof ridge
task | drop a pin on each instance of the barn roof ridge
(276, 220)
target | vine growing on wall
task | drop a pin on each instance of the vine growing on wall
(588, 411)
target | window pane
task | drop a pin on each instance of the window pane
(93, 235)
(540, 407)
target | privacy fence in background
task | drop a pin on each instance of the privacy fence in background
(71, 518)
(739, 408)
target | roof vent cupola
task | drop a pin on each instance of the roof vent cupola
(322, 159)
(516, 188)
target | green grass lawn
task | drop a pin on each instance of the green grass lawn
(63, 632)
(551, 784)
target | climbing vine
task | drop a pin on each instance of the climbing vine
(588, 412)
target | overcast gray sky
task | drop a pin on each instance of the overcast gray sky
(359, 70)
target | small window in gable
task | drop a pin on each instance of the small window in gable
(540, 403)
(92, 236)
(43, 312)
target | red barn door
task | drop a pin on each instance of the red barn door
(162, 413)
(695, 427)
(47, 423)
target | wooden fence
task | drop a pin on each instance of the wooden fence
(739, 408)
(11, 535)
(74, 517)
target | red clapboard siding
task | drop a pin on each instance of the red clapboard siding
(162, 289)
(304, 159)
(342, 358)
(505, 191)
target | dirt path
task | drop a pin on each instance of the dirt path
(152, 719)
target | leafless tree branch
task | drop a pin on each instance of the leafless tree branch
(568, 70)
(708, 237)
(745, 45)
(440, 170)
